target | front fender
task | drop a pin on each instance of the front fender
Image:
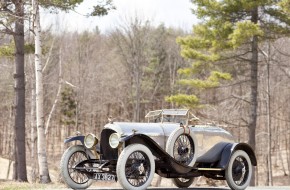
(157, 151)
(230, 148)
(80, 138)
(146, 141)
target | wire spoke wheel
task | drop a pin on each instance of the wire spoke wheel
(182, 146)
(74, 178)
(74, 174)
(240, 170)
(183, 149)
(137, 168)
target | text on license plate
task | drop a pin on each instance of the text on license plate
(105, 177)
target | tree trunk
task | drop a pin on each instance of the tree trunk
(138, 94)
(269, 123)
(287, 143)
(57, 94)
(254, 90)
(41, 140)
(20, 93)
(33, 134)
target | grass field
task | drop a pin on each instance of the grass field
(11, 185)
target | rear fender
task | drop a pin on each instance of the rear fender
(230, 149)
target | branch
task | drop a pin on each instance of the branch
(49, 55)
(6, 29)
(57, 94)
(241, 98)
(235, 125)
(10, 13)
(233, 84)
(70, 84)
(279, 51)
(235, 56)
(53, 107)
(285, 72)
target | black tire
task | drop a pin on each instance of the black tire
(70, 176)
(135, 167)
(183, 182)
(182, 146)
(239, 171)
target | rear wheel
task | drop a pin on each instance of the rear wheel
(183, 182)
(71, 176)
(135, 167)
(239, 170)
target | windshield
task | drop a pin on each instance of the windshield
(168, 115)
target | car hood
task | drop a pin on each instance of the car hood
(150, 129)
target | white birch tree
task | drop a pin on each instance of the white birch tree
(99, 10)
(41, 140)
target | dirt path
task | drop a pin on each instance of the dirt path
(5, 173)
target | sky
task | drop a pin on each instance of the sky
(171, 13)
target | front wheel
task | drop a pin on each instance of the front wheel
(239, 170)
(135, 167)
(72, 177)
(183, 182)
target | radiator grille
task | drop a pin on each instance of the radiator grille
(107, 152)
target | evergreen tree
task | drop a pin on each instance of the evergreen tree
(230, 29)
(100, 9)
(12, 23)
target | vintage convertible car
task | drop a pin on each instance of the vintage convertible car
(169, 145)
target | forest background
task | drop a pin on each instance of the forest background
(89, 76)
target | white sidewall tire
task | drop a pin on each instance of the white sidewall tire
(64, 170)
(173, 137)
(121, 175)
(229, 175)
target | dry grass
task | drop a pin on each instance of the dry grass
(12, 185)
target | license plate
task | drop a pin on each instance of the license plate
(105, 177)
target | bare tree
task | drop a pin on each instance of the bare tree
(41, 140)
(131, 40)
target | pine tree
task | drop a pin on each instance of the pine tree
(12, 23)
(230, 29)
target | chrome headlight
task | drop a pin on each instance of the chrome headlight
(114, 140)
(90, 141)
